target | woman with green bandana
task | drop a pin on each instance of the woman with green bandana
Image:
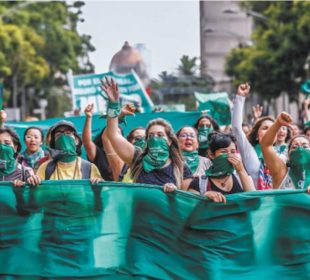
(66, 163)
(34, 155)
(160, 162)
(188, 142)
(10, 169)
(227, 174)
(283, 137)
(204, 125)
(296, 173)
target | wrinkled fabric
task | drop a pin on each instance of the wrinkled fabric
(7, 160)
(71, 230)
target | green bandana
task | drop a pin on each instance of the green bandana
(221, 167)
(66, 144)
(7, 160)
(192, 160)
(158, 154)
(299, 171)
(258, 150)
(140, 142)
(114, 109)
(203, 133)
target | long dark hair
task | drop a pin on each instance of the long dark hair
(15, 139)
(174, 151)
(213, 122)
(252, 137)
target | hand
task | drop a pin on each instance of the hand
(34, 180)
(95, 181)
(243, 90)
(111, 89)
(128, 109)
(18, 183)
(257, 111)
(216, 196)
(3, 116)
(236, 162)
(89, 110)
(285, 119)
(170, 187)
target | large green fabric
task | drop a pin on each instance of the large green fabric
(71, 230)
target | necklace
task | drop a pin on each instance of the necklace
(223, 183)
(74, 174)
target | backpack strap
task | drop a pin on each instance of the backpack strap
(50, 168)
(85, 169)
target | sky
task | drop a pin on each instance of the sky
(169, 29)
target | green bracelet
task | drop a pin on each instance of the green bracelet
(114, 109)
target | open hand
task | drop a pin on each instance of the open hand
(34, 180)
(110, 88)
(257, 111)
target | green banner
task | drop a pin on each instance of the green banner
(86, 89)
(216, 105)
(73, 230)
(177, 119)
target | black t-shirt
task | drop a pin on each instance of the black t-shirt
(160, 176)
(102, 163)
(212, 187)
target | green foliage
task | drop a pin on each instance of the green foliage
(187, 66)
(276, 61)
(39, 43)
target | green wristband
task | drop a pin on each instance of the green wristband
(114, 109)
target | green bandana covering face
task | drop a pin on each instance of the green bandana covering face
(299, 170)
(221, 167)
(66, 143)
(140, 142)
(8, 162)
(192, 160)
(203, 133)
(158, 154)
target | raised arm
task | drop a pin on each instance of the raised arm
(115, 162)
(247, 151)
(89, 145)
(122, 147)
(274, 163)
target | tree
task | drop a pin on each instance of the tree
(49, 30)
(276, 61)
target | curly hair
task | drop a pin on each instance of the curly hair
(174, 151)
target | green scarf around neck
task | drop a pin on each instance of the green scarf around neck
(192, 160)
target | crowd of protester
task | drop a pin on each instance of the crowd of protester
(272, 153)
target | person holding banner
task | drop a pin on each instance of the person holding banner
(227, 174)
(10, 169)
(296, 173)
(188, 141)
(161, 162)
(204, 125)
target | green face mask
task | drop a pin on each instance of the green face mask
(192, 160)
(300, 168)
(140, 142)
(66, 144)
(7, 160)
(203, 133)
(158, 154)
(221, 167)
